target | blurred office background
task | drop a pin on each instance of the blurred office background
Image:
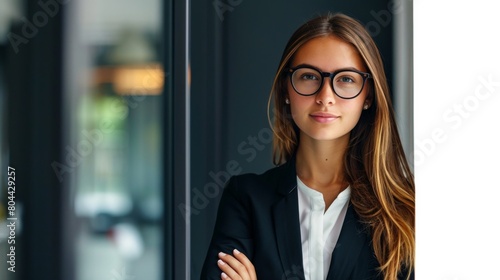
(123, 119)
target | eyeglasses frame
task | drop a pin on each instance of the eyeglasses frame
(331, 75)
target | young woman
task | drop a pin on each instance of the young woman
(341, 203)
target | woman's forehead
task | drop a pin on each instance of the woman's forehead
(328, 53)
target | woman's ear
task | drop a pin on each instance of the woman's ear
(369, 97)
(367, 104)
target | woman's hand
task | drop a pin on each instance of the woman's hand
(237, 267)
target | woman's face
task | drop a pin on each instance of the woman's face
(324, 115)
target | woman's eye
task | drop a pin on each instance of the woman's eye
(346, 79)
(309, 77)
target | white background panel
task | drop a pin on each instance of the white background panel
(457, 139)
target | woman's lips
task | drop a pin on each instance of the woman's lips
(322, 117)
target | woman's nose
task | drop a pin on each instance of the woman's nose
(325, 95)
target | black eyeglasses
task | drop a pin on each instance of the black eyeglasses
(346, 84)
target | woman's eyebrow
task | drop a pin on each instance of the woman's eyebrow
(336, 70)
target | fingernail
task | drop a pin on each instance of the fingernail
(223, 275)
(236, 251)
(221, 262)
(221, 254)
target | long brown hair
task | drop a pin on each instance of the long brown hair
(383, 188)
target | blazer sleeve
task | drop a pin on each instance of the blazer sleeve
(232, 229)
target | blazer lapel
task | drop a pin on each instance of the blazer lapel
(287, 225)
(351, 241)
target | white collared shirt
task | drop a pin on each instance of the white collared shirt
(319, 229)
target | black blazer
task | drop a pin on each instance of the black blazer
(259, 216)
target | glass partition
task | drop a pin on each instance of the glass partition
(113, 92)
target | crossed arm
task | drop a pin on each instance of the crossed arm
(232, 231)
